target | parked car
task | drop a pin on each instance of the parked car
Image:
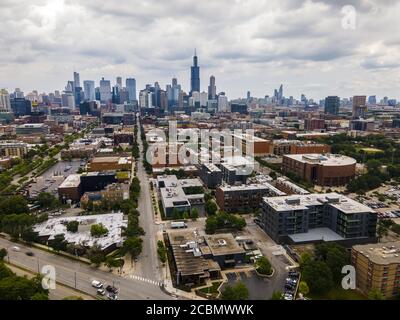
(101, 292)
(97, 284)
(288, 296)
(112, 289)
(112, 296)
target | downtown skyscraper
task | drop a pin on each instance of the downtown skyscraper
(212, 89)
(131, 88)
(194, 75)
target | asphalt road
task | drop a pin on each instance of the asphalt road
(80, 275)
(148, 263)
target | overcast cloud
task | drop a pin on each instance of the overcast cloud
(246, 44)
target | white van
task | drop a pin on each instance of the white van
(97, 284)
(178, 225)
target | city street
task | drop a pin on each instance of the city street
(148, 264)
(80, 275)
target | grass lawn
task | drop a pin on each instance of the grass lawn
(213, 289)
(371, 150)
(340, 294)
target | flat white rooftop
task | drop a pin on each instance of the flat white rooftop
(323, 159)
(114, 222)
(317, 234)
(303, 202)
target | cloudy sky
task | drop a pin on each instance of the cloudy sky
(246, 44)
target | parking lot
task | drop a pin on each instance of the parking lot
(260, 288)
(52, 178)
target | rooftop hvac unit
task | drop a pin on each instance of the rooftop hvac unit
(222, 242)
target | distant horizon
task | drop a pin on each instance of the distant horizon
(309, 46)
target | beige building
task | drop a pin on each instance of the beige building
(377, 267)
(13, 148)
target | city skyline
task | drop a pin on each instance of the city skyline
(252, 47)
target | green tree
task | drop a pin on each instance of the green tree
(381, 231)
(133, 246)
(335, 256)
(59, 243)
(72, 226)
(211, 225)
(96, 255)
(238, 291)
(185, 215)
(47, 200)
(194, 214)
(16, 224)
(318, 276)
(3, 254)
(5, 272)
(112, 262)
(375, 294)
(211, 207)
(161, 251)
(303, 288)
(176, 214)
(263, 266)
(13, 205)
(40, 296)
(20, 288)
(29, 235)
(98, 230)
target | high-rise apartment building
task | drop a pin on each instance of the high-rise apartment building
(359, 106)
(5, 104)
(77, 81)
(89, 90)
(119, 82)
(105, 91)
(332, 105)
(131, 88)
(212, 89)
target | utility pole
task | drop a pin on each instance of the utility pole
(75, 279)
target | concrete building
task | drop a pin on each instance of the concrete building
(244, 198)
(5, 103)
(189, 263)
(289, 187)
(317, 218)
(13, 149)
(314, 124)
(332, 105)
(32, 129)
(224, 249)
(377, 267)
(210, 174)
(359, 106)
(179, 195)
(114, 222)
(70, 188)
(110, 163)
(105, 91)
(282, 147)
(319, 169)
(258, 147)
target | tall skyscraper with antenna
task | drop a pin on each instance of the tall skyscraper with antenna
(195, 75)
